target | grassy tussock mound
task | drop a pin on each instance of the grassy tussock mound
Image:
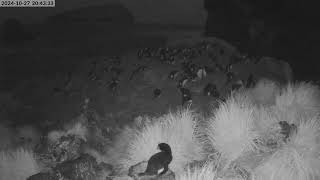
(17, 165)
(297, 159)
(231, 131)
(176, 129)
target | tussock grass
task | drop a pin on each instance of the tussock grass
(231, 130)
(207, 172)
(297, 101)
(264, 92)
(177, 129)
(18, 164)
(296, 160)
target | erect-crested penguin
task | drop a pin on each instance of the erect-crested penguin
(158, 164)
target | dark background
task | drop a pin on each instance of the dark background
(286, 29)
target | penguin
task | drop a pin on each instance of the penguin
(170, 60)
(138, 70)
(228, 67)
(182, 82)
(186, 95)
(237, 85)
(113, 84)
(159, 161)
(192, 68)
(173, 75)
(201, 73)
(211, 90)
(219, 67)
(193, 77)
(250, 81)
(157, 93)
(230, 76)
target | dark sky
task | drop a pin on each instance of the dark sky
(153, 11)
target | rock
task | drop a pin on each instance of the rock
(137, 168)
(83, 168)
(44, 176)
(169, 175)
(141, 167)
(64, 149)
(105, 169)
(67, 148)
(119, 178)
(275, 69)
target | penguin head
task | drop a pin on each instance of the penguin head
(164, 147)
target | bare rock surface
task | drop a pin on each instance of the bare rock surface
(83, 168)
(137, 168)
(141, 167)
(44, 176)
(64, 149)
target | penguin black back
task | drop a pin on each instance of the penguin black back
(158, 161)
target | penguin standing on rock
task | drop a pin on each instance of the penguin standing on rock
(158, 164)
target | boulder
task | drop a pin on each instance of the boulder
(119, 178)
(83, 168)
(276, 69)
(137, 168)
(64, 149)
(169, 175)
(44, 176)
(141, 167)
(264, 68)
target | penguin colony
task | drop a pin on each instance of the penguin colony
(188, 72)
